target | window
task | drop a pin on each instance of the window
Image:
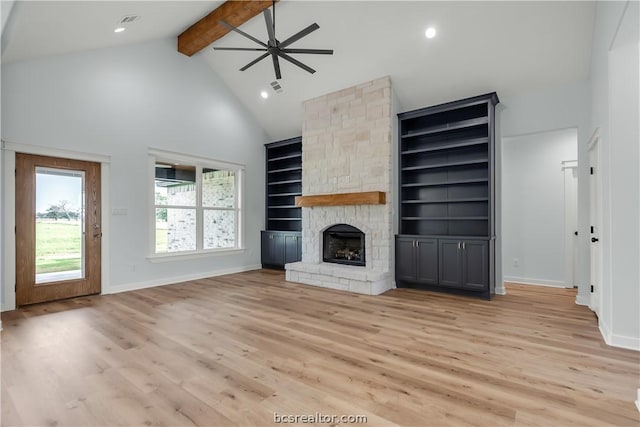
(196, 205)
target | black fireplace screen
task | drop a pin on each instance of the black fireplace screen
(343, 244)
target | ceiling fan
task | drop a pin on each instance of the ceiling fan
(276, 48)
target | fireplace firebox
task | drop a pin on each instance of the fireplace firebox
(343, 244)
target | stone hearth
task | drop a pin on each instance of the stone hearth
(347, 148)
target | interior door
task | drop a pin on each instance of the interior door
(570, 221)
(594, 219)
(58, 228)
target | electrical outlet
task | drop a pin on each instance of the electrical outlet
(516, 262)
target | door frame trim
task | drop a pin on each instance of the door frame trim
(595, 143)
(10, 149)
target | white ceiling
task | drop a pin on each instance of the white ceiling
(40, 28)
(509, 47)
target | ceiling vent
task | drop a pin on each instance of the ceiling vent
(277, 87)
(129, 19)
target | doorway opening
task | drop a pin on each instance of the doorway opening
(539, 208)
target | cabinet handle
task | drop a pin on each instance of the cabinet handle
(417, 244)
(463, 246)
(458, 245)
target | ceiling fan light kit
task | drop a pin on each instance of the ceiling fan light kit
(275, 48)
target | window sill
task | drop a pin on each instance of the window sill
(193, 255)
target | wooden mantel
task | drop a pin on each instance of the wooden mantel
(343, 199)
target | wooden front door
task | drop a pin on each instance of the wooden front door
(58, 228)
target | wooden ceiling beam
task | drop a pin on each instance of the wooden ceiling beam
(208, 29)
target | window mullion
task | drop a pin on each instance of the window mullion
(199, 211)
(237, 204)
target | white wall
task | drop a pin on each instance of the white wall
(615, 86)
(118, 102)
(533, 219)
(556, 108)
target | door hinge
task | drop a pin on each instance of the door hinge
(591, 288)
(591, 170)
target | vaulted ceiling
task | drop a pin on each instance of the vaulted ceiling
(509, 47)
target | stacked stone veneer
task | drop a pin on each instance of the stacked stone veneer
(346, 148)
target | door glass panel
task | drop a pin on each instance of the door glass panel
(60, 225)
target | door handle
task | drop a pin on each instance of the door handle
(594, 239)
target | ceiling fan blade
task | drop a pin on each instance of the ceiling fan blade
(241, 48)
(270, 30)
(232, 28)
(315, 51)
(255, 61)
(295, 62)
(276, 66)
(300, 34)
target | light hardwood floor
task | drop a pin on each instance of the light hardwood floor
(234, 350)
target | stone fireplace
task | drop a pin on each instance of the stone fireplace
(347, 153)
(343, 244)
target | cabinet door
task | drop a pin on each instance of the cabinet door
(291, 248)
(450, 263)
(405, 259)
(272, 248)
(475, 265)
(427, 261)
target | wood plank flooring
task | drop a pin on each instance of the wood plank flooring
(234, 350)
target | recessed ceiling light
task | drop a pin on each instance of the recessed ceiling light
(119, 30)
(430, 33)
(264, 94)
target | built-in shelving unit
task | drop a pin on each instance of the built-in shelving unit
(281, 241)
(446, 162)
(284, 183)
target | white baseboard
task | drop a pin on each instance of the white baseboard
(501, 290)
(638, 401)
(177, 279)
(536, 282)
(615, 340)
(583, 299)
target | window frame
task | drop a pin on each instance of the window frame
(200, 163)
